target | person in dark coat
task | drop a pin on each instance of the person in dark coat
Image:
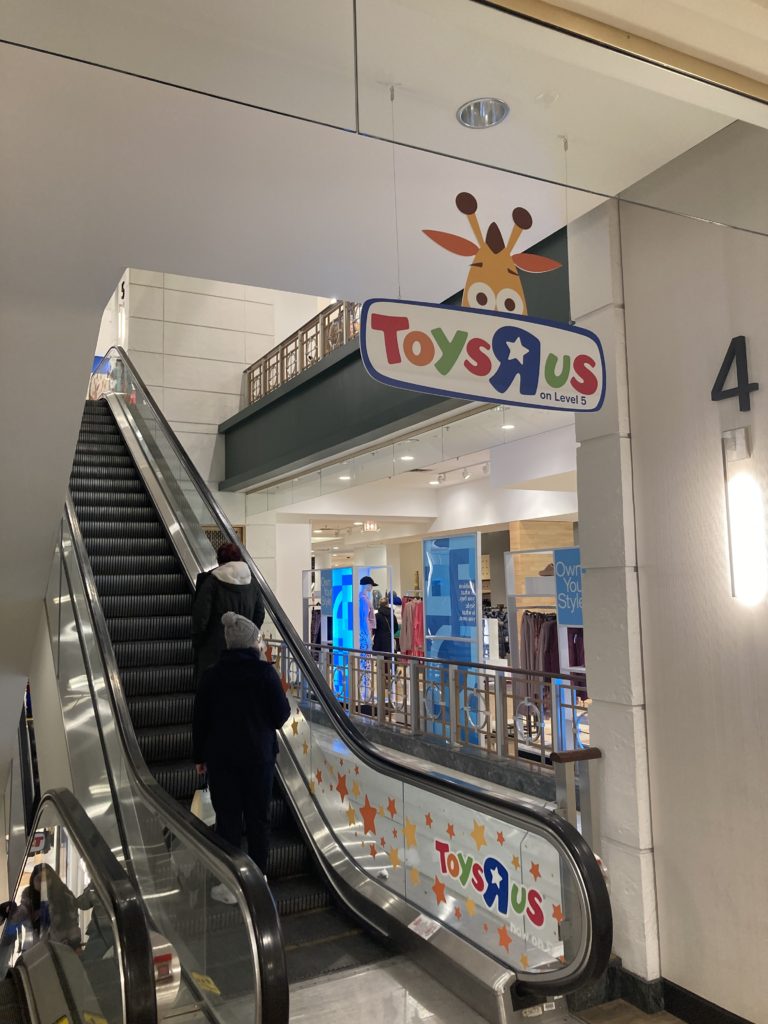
(229, 587)
(239, 704)
(386, 627)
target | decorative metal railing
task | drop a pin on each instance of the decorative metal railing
(329, 330)
(497, 710)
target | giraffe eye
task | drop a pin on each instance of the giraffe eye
(509, 300)
(481, 296)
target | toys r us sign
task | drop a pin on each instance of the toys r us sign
(482, 356)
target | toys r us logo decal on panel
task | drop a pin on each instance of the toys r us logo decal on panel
(493, 281)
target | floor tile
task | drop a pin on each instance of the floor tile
(619, 1012)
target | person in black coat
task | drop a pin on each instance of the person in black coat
(229, 587)
(386, 627)
(239, 704)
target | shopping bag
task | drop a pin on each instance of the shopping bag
(202, 807)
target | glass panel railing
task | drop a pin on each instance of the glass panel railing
(73, 898)
(173, 859)
(506, 875)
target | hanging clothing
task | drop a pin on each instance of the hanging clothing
(539, 650)
(412, 627)
(576, 646)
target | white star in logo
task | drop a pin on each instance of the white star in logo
(517, 350)
(495, 876)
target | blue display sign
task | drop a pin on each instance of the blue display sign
(451, 598)
(568, 586)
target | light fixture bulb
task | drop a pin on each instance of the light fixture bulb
(407, 458)
(485, 112)
(507, 426)
(434, 483)
(441, 478)
(465, 474)
(345, 477)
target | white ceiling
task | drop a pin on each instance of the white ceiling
(107, 170)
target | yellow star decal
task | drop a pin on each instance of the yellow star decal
(409, 833)
(478, 834)
(516, 863)
(311, 785)
(471, 908)
(380, 809)
(305, 748)
(295, 726)
(394, 856)
(351, 815)
(355, 789)
(414, 876)
(524, 961)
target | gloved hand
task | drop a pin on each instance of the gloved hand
(7, 909)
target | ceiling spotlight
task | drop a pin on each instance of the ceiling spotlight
(359, 522)
(434, 483)
(485, 469)
(465, 474)
(441, 478)
(482, 113)
(407, 458)
(345, 477)
(335, 547)
(507, 426)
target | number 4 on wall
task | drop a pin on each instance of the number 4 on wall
(736, 354)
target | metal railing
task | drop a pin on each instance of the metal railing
(323, 334)
(501, 711)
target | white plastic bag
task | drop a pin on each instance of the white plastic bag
(202, 807)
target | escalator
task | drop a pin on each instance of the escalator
(498, 898)
(78, 948)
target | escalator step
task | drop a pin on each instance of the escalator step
(130, 654)
(144, 605)
(87, 448)
(109, 473)
(114, 528)
(288, 855)
(166, 627)
(138, 565)
(96, 405)
(299, 894)
(126, 514)
(98, 434)
(141, 583)
(160, 744)
(119, 546)
(114, 498)
(83, 484)
(157, 680)
(164, 710)
(179, 780)
(92, 460)
(279, 815)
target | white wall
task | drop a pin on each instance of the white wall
(292, 311)
(691, 287)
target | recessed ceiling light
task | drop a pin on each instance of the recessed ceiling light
(507, 426)
(482, 113)
(434, 483)
(466, 474)
(345, 477)
(407, 458)
(335, 547)
(359, 522)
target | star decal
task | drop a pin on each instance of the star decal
(373, 850)
(496, 877)
(557, 913)
(471, 908)
(534, 869)
(414, 876)
(394, 833)
(295, 726)
(517, 350)
(383, 841)
(341, 762)
(351, 815)
(305, 748)
(478, 834)
(451, 831)
(485, 927)
(341, 787)
(409, 834)
(368, 814)
(439, 890)
(319, 776)
(524, 961)
(516, 863)
(380, 809)
(392, 808)
(394, 857)
(457, 913)
(355, 790)
(357, 770)
(500, 838)
(312, 786)
(428, 820)
(504, 938)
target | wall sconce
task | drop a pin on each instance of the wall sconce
(746, 520)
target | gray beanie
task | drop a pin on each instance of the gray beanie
(239, 631)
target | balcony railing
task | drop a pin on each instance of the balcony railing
(329, 330)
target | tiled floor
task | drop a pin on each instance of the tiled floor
(619, 1012)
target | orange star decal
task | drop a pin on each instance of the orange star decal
(428, 820)
(341, 762)
(516, 863)
(500, 838)
(485, 927)
(471, 908)
(504, 937)
(319, 776)
(351, 815)
(451, 831)
(295, 726)
(409, 834)
(383, 841)
(414, 876)
(392, 807)
(394, 857)
(368, 814)
(439, 890)
(305, 748)
(357, 770)
(341, 787)
(394, 833)
(557, 913)
(457, 913)
(373, 850)
(478, 834)
(524, 961)
(534, 869)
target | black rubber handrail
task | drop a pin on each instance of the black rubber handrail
(536, 818)
(265, 930)
(122, 902)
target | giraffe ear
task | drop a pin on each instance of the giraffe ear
(534, 264)
(453, 243)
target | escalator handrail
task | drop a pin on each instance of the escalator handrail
(538, 819)
(265, 933)
(119, 894)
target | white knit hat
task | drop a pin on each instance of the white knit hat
(239, 631)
